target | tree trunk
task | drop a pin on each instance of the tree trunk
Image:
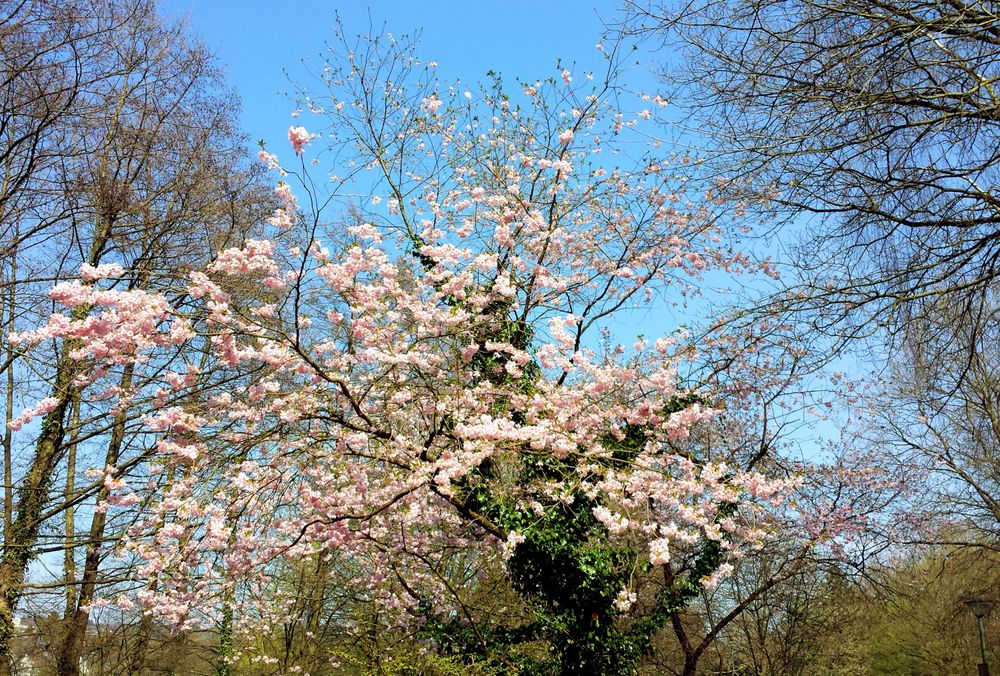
(137, 657)
(78, 619)
(8, 475)
(31, 499)
(69, 558)
(225, 641)
(34, 490)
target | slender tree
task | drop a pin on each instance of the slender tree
(119, 150)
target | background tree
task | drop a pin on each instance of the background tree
(910, 618)
(945, 416)
(119, 149)
(872, 129)
(873, 126)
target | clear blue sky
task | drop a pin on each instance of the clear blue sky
(258, 40)
(262, 43)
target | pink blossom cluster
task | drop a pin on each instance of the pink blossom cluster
(299, 137)
(284, 216)
(89, 273)
(110, 326)
(41, 408)
(255, 256)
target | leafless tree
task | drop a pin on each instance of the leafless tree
(117, 144)
(872, 126)
(870, 130)
(944, 414)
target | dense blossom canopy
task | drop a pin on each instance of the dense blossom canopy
(416, 377)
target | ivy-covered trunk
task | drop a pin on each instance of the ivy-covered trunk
(32, 496)
(567, 568)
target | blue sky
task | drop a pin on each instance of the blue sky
(259, 40)
(262, 43)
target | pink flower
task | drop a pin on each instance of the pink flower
(271, 161)
(510, 544)
(712, 581)
(469, 352)
(298, 137)
(284, 193)
(44, 407)
(171, 531)
(90, 273)
(625, 600)
(281, 219)
(71, 294)
(659, 552)
(432, 104)
(566, 136)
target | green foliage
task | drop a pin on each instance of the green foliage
(569, 572)
(571, 576)
(922, 628)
